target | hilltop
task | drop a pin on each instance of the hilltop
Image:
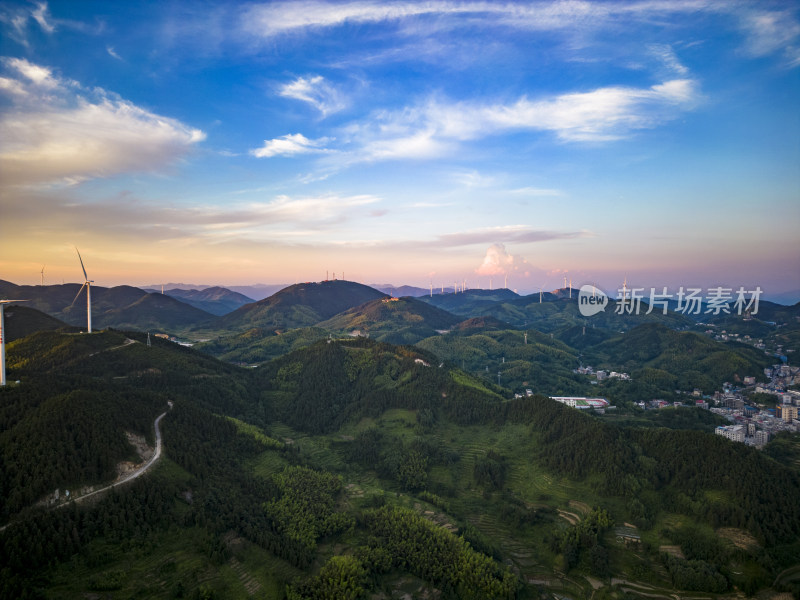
(299, 305)
(395, 320)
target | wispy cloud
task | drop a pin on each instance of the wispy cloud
(504, 234)
(132, 218)
(666, 54)
(770, 32)
(531, 191)
(438, 128)
(508, 234)
(20, 18)
(277, 18)
(113, 53)
(41, 15)
(289, 145)
(57, 131)
(316, 91)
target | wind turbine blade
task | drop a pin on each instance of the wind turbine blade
(78, 294)
(85, 276)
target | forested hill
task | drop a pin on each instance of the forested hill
(319, 388)
(394, 320)
(21, 321)
(64, 425)
(363, 466)
(299, 305)
(684, 360)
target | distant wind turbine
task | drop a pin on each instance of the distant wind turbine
(88, 285)
(3, 339)
(42, 274)
(540, 291)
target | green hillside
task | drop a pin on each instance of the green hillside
(21, 321)
(543, 364)
(299, 305)
(562, 314)
(680, 360)
(395, 320)
(354, 468)
(261, 344)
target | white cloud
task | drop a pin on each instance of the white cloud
(113, 53)
(770, 32)
(666, 54)
(417, 145)
(41, 15)
(311, 209)
(289, 145)
(316, 91)
(36, 74)
(498, 261)
(132, 218)
(437, 128)
(267, 20)
(57, 131)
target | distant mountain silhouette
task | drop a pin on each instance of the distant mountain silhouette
(120, 307)
(215, 300)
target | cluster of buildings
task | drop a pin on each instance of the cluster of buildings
(701, 403)
(753, 423)
(601, 375)
(758, 343)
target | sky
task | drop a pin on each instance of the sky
(421, 143)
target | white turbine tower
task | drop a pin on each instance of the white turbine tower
(88, 285)
(42, 274)
(3, 339)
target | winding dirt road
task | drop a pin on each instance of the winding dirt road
(129, 477)
(138, 472)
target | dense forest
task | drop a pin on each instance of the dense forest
(348, 468)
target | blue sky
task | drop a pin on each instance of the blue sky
(402, 142)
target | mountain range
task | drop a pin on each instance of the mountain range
(214, 300)
(122, 307)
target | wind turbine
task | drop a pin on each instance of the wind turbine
(42, 274)
(3, 339)
(88, 285)
(540, 291)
